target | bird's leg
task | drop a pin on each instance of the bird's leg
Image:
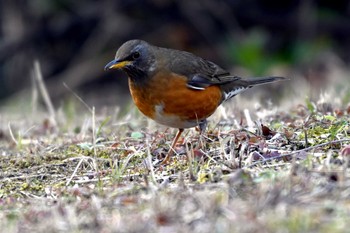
(202, 128)
(203, 125)
(172, 147)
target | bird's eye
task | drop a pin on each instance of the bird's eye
(135, 55)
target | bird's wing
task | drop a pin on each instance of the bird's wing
(200, 73)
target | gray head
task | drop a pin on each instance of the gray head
(136, 58)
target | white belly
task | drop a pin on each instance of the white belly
(172, 120)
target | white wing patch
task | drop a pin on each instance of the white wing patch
(232, 93)
(195, 87)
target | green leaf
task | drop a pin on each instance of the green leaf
(310, 105)
(137, 135)
(329, 117)
(105, 121)
(85, 145)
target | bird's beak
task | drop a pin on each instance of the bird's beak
(116, 64)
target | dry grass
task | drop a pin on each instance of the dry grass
(99, 172)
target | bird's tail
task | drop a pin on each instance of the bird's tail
(260, 80)
(239, 85)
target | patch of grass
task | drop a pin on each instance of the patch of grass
(286, 174)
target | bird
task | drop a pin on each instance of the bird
(177, 88)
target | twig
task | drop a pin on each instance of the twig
(248, 118)
(94, 130)
(92, 111)
(76, 169)
(298, 151)
(190, 163)
(149, 161)
(43, 90)
(306, 138)
(74, 172)
(78, 97)
(34, 96)
(11, 134)
(19, 133)
(22, 177)
(29, 129)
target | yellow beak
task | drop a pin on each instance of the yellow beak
(115, 64)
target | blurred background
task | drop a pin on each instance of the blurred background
(306, 40)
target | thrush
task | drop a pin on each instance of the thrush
(176, 88)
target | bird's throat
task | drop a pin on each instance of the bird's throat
(138, 76)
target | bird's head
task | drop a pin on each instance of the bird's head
(136, 58)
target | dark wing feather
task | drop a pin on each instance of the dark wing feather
(201, 73)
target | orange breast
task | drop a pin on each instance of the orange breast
(167, 100)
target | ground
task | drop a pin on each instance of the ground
(259, 169)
